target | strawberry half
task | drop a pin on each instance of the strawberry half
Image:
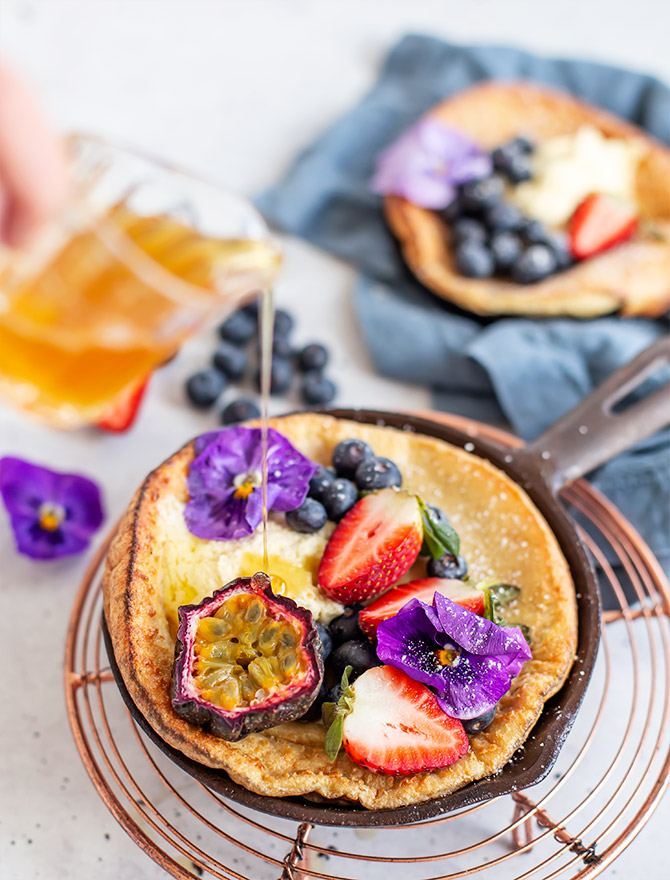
(396, 726)
(600, 222)
(123, 410)
(424, 589)
(372, 547)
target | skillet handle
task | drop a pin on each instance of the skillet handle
(592, 433)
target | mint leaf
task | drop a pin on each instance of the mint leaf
(504, 593)
(438, 537)
(333, 715)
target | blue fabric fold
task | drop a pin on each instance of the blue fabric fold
(521, 372)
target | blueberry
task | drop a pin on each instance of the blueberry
(253, 309)
(345, 627)
(204, 388)
(452, 211)
(519, 169)
(535, 233)
(534, 264)
(560, 248)
(309, 517)
(437, 514)
(281, 376)
(481, 722)
(314, 711)
(281, 347)
(506, 249)
(326, 640)
(447, 566)
(317, 389)
(283, 322)
(477, 195)
(522, 144)
(504, 216)
(339, 498)
(231, 360)
(348, 454)
(312, 357)
(359, 654)
(474, 260)
(377, 473)
(238, 328)
(320, 482)
(335, 693)
(239, 410)
(469, 229)
(513, 158)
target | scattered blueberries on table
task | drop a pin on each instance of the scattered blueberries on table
(239, 328)
(240, 410)
(281, 376)
(316, 389)
(447, 566)
(309, 517)
(231, 360)
(283, 322)
(203, 388)
(312, 357)
(232, 363)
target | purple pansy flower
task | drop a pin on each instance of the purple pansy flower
(52, 514)
(427, 162)
(466, 659)
(224, 482)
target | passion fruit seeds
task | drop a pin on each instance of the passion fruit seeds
(246, 660)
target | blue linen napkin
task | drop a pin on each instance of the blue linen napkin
(526, 373)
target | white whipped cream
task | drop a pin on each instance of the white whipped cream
(566, 169)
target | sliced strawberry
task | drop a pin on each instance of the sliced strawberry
(600, 222)
(424, 589)
(372, 547)
(123, 410)
(397, 727)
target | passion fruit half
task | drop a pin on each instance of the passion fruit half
(245, 660)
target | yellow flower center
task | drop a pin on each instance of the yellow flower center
(246, 483)
(50, 516)
(446, 656)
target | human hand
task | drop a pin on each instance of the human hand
(33, 168)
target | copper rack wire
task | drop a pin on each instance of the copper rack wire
(609, 777)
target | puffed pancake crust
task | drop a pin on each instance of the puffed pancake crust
(502, 535)
(633, 278)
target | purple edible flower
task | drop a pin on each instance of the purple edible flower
(224, 482)
(466, 659)
(427, 162)
(52, 514)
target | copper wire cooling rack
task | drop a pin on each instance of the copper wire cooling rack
(609, 777)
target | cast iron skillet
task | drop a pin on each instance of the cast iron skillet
(587, 436)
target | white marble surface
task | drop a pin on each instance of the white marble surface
(232, 89)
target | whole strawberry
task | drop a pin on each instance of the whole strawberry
(372, 547)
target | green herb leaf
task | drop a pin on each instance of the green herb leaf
(333, 742)
(504, 593)
(438, 537)
(333, 715)
(525, 630)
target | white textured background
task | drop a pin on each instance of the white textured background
(231, 88)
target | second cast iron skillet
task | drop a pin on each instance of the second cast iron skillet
(586, 437)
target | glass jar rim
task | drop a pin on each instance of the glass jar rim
(113, 237)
